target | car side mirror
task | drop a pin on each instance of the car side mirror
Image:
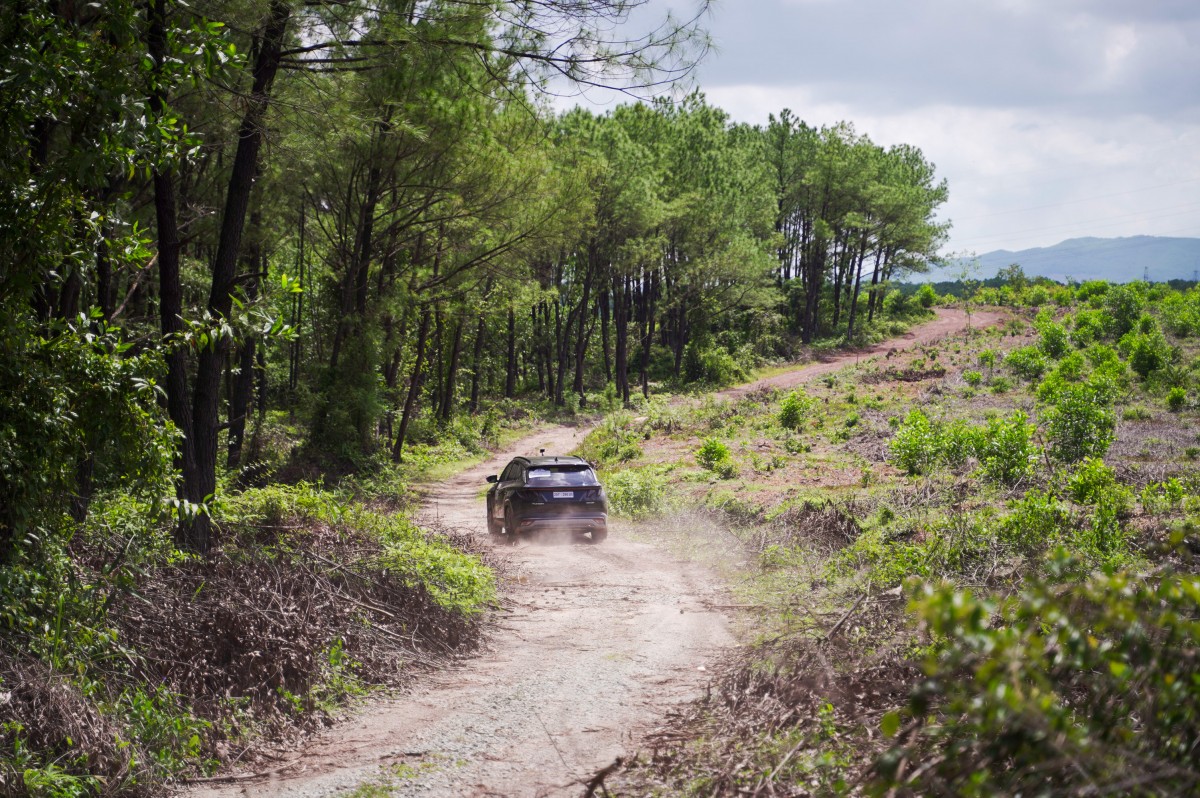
(492, 478)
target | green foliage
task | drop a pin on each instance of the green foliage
(972, 378)
(1006, 450)
(794, 408)
(1162, 497)
(915, 446)
(1176, 399)
(926, 296)
(1052, 339)
(716, 457)
(1087, 327)
(1123, 305)
(1147, 351)
(1092, 481)
(1102, 665)
(1081, 422)
(1027, 362)
(614, 440)
(711, 366)
(1034, 522)
(637, 492)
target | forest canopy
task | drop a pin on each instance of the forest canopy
(365, 215)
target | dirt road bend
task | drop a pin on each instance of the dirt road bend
(596, 643)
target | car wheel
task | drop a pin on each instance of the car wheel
(510, 524)
(599, 533)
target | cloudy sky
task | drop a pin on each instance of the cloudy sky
(1050, 119)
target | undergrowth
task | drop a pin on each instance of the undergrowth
(970, 566)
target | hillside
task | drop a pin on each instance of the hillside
(1116, 260)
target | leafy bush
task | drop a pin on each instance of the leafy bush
(636, 492)
(614, 440)
(1147, 351)
(1053, 336)
(1037, 520)
(1027, 362)
(793, 409)
(713, 453)
(1176, 399)
(972, 378)
(1087, 327)
(711, 366)
(1123, 306)
(1091, 480)
(1006, 450)
(1160, 497)
(926, 296)
(1083, 683)
(1081, 422)
(915, 446)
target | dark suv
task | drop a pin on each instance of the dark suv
(535, 493)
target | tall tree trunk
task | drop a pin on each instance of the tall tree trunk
(243, 384)
(206, 398)
(414, 388)
(581, 337)
(477, 363)
(649, 339)
(510, 371)
(448, 395)
(193, 536)
(621, 322)
(603, 300)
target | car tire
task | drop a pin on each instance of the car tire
(494, 527)
(599, 534)
(510, 524)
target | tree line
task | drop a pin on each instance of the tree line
(366, 214)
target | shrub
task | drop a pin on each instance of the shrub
(972, 378)
(957, 442)
(614, 440)
(1122, 306)
(1159, 497)
(915, 446)
(711, 453)
(794, 407)
(1176, 399)
(926, 297)
(1081, 422)
(1102, 664)
(988, 359)
(1087, 327)
(711, 366)
(1026, 362)
(1006, 450)
(1036, 520)
(1053, 336)
(636, 492)
(1148, 352)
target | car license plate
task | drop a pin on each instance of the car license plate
(564, 494)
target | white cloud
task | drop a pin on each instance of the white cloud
(1018, 181)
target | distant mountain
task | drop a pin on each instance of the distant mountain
(1113, 259)
(1118, 260)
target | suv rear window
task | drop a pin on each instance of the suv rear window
(571, 475)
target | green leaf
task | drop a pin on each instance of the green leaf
(890, 724)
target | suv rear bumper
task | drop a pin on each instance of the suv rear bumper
(578, 523)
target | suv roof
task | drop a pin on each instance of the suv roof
(559, 460)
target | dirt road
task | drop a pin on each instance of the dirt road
(948, 321)
(597, 642)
